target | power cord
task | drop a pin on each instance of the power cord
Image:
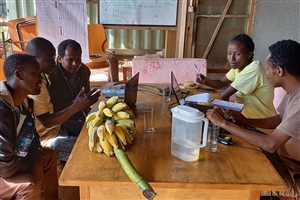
(238, 145)
(150, 91)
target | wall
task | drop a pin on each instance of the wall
(275, 20)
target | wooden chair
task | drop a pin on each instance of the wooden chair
(100, 57)
(21, 31)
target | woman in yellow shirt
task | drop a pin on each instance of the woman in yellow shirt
(246, 79)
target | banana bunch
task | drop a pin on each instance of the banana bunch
(189, 84)
(110, 127)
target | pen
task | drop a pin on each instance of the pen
(198, 73)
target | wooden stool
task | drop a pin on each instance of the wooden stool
(125, 70)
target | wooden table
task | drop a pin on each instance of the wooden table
(230, 173)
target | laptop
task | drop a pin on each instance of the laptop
(177, 91)
(128, 91)
(181, 99)
(131, 89)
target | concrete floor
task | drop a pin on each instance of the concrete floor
(66, 192)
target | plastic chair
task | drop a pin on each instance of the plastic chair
(21, 31)
(100, 57)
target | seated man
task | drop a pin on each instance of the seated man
(68, 78)
(47, 121)
(283, 69)
(32, 174)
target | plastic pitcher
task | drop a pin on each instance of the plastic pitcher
(189, 133)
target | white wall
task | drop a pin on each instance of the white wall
(275, 20)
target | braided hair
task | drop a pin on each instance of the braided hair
(246, 40)
(286, 54)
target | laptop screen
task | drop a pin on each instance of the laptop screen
(176, 90)
(131, 89)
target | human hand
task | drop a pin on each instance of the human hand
(216, 116)
(85, 100)
(200, 78)
(237, 116)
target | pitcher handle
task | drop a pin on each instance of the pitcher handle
(204, 135)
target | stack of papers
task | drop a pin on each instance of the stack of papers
(206, 97)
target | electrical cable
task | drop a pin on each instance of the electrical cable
(141, 90)
(250, 148)
(146, 85)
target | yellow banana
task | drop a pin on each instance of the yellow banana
(110, 127)
(125, 129)
(91, 117)
(115, 118)
(101, 105)
(106, 146)
(112, 139)
(89, 124)
(107, 112)
(92, 138)
(98, 146)
(129, 111)
(127, 122)
(120, 134)
(97, 121)
(123, 115)
(119, 106)
(101, 132)
(112, 101)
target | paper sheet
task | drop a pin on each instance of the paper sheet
(63, 19)
(204, 97)
(228, 105)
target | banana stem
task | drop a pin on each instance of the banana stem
(132, 173)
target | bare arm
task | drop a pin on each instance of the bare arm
(269, 142)
(269, 123)
(228, 92)
(213, 83)
(81, 102)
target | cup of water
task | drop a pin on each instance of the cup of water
(212, 137)
(148, 119)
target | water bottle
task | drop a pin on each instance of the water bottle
(25, 138)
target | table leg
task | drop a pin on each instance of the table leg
(254, 195)
(84, 192)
